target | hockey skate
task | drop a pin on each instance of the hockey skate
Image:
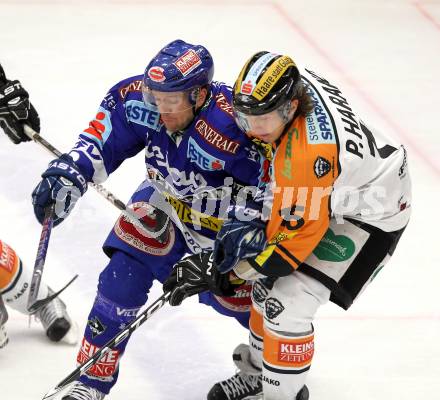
(245, 387)
(238, 387)
(247, 383)
(56, 322)
(80, 391)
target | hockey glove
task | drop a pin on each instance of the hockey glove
(238, 240)
(16, 110)
(197, 274)
(62, 185)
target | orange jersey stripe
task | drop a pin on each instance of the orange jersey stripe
(256, 323)
(288, 353)
(9, 265)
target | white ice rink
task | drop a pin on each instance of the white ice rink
(385, 55)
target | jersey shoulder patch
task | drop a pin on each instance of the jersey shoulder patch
(215, 123)
(129, 85)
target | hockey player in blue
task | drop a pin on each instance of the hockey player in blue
(196, 159)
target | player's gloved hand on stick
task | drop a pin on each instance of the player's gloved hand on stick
(16, 110)
(238, 240)
(196, 274)
(62, 184)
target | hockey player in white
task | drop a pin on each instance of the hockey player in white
(15, 276)
(15, 279)
(341, 199)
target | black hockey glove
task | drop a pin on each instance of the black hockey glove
(197, 274)
(16, 110)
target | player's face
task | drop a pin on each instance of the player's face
(266, 127)
(175, 109)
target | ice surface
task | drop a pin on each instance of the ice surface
(383, 54)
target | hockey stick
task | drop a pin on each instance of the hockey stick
(41, 255)
(33, 305)
(135, 219)
(41, 303)
(130, 328)
(37, 138)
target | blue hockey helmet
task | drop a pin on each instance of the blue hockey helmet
(179, 66)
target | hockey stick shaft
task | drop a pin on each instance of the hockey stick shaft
(130, 328)
(34, 305)
(41, 255)
(37, 138)
(136, 220)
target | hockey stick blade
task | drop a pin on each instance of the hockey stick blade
(130, 328)
(41, 303)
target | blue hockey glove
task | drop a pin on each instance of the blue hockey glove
(238, 240)
(62, 184)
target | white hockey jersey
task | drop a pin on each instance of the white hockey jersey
(331, 164)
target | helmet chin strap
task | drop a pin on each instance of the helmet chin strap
(285, 110)
(193, 96)
(195, 111)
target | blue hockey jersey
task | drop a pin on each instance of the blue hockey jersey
(193, 171)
